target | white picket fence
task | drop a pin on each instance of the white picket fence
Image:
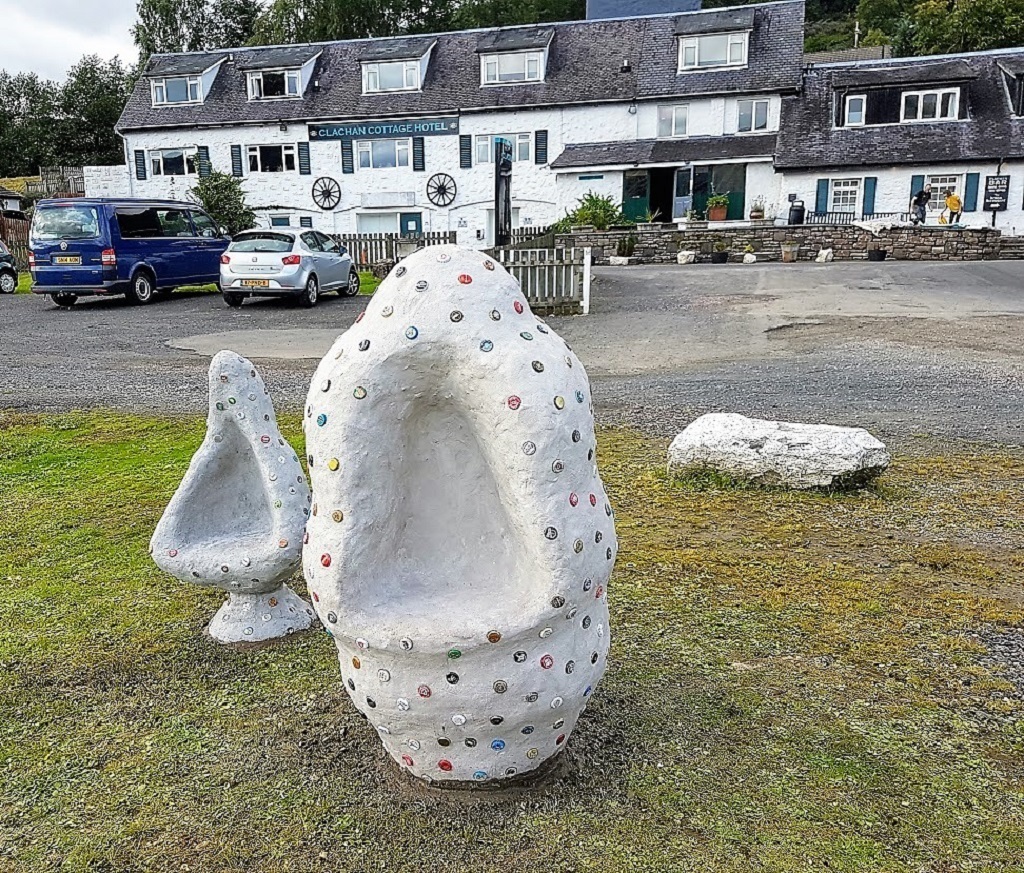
(553, 280)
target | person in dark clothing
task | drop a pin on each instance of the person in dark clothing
(919, 205)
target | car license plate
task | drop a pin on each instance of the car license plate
(67, 259)
(256, 283)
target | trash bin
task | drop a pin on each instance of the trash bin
(797, 213)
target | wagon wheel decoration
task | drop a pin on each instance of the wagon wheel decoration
(326, 192)
(441, 189)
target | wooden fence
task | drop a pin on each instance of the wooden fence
(372, 248)
(14, 232)
(554, 281)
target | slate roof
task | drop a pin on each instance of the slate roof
(277, 57)
(715, 21)
(657, 151)
(403, 49)
(8, 194)
(515, 40)
(809, 140)
(584, 66)
(861, 53)
(181, 65)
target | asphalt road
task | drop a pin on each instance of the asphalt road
(901, 348)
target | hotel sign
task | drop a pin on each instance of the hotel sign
(399, 127)
(997, 193)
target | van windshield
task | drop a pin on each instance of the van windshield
(65, 222)
(263, 242)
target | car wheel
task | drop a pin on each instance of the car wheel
(233, 299)
(8, 282)
(311, 294)
(141, 290)
(353, 283)
(64, 299)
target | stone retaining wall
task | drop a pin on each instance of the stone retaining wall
(847, 243)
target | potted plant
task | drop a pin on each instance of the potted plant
(649, 221)
(624, 249)
(718, 207)
(790, 250)
(721, 253)
(757, 209)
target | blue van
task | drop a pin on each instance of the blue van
(139, 248)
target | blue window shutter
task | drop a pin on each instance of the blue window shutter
(419, 159)
(305, 221)
(465, 151)
(304, 167)
(971, 193)
(236, 160)
(140, 164)
(916, 184)
(540, 147)
(870, 184)
(347, 164)
(821, 198)
(203, 156)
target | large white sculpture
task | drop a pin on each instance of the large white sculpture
(236, 521)
(460, 540)
(778, 452)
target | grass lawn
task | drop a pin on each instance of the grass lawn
(24, 283)
(368, 283)
(792, 686)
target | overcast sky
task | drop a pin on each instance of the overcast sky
(49, 36)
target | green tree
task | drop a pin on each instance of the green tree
(28, 120)
(171, 26)
(945, 26)
(90, 103)
(232, 22)
(221, 195)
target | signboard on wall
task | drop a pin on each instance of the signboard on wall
(400, 127)
(997, 193)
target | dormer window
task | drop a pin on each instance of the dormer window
(509, 68)
(855, 106)
(391, 76)
(932, 105)
(274, 84)
(178, 89)
(712, 50)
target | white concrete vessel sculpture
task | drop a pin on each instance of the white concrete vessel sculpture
(460, 541)
(236, 520)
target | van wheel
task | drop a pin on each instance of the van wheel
(232, 299)
(311, 294)
(141, 290)
(353, 283)
(8, 282)
(66, 300)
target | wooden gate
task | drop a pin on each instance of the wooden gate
(14, 232)
(554, 281)
(372, 248)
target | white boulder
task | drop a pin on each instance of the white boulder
(778, 452)
(236, 521)
(749, 258)
(461, 540)
(686, 257)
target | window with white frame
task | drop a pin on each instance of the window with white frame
(173, 162)
(177, 89)
(271, 158)
(938, 105)
(672, 120)
(391, 76)
(941, 184)
(382, 153)
(713, 50)
(274, 84)
(520, 147)
(844, 195)
(853, 115)
(511, 67)
(751, 115)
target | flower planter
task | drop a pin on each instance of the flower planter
(647, 226)
(757, 216)
(717, 213)
(877, 254)
(582, 228)
(789, 252)
(719, 257)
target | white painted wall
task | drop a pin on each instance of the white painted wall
(108, 181)
(540, 195)
(893, 190)
(710, 116)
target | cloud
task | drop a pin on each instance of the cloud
(48, 37)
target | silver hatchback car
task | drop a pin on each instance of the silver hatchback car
(283, 262)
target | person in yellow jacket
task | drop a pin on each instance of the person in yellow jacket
(954, 205)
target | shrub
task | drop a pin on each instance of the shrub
(718, 200)
(222, 197)
(599, 210)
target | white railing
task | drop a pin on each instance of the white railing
(553, 280)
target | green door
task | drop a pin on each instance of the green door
(410, 224)
(636, 200)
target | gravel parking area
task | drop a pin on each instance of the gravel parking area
(902, 348)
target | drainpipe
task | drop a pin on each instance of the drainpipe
(999, 172)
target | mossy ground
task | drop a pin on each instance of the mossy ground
(791, 686)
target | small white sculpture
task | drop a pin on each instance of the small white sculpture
(461, 540)
(236, 521)
(778, 452)
(824, 256)
(686, 257)
(750, 258)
